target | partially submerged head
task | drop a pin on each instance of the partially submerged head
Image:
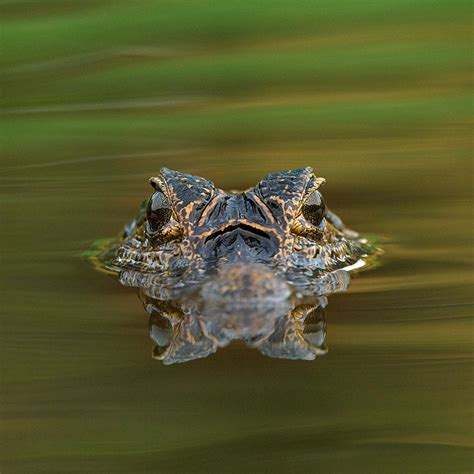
(256, 265)
(282, 221)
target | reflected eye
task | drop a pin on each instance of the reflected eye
(158, 212)
(315, 327)
(314, 208)
(161, 332)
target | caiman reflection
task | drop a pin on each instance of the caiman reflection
(279, 325)
(255, 265)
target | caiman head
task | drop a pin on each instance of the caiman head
(282, 221)
(255, 265)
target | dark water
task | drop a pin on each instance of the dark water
(99, 95)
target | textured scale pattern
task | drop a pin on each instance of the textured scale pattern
(254, 265)
(209, 229)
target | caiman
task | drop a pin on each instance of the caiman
(243, 261)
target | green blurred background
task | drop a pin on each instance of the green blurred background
(97, 95)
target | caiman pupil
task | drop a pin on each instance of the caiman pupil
(158, 212)
(314, 208)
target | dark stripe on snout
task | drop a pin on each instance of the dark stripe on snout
(230, 228)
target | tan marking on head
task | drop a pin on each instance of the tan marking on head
(209, 208)
(158, 181)
(264, 208)
(317, 184)
(188, 209)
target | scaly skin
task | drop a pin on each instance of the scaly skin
(257, 265)
(209, 229)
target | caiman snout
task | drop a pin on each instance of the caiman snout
(240, 242)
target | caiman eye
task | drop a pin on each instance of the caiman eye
(314, 208)
(158, 212)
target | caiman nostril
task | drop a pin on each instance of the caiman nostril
(233, 227)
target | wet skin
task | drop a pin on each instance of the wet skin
(190, 227)
(255, 265)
